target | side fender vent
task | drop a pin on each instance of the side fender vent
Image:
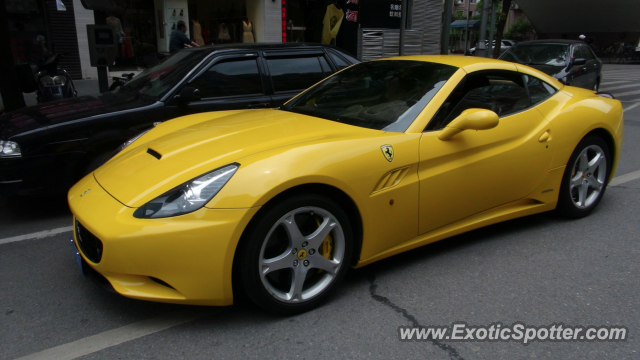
(391, 179)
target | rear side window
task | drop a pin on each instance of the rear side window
(230, 78)
(539, 90)
(294, 73)
(503, 93)
(339, 61)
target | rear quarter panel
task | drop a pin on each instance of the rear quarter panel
(576, 112)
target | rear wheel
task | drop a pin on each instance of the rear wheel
(296, 254)
(585, 178)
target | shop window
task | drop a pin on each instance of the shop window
(230, 78)
(294, 73)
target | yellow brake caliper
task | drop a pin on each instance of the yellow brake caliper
(327, 245)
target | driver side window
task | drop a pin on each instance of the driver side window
(233, 77)
(501, 92)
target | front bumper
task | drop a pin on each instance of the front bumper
(185, 259)
(37, 175)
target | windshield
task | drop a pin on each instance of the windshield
(538, 54)
(383, 95)
(158, 80)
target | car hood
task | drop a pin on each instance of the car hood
(62, 111)
(159, 165)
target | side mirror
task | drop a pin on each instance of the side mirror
(188, 94)
(470, 119)
(579, 61)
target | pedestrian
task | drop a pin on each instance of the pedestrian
(179, 39)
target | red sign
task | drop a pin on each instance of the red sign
(351, 15)
(284, 21)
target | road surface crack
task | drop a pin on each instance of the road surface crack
(453, 353)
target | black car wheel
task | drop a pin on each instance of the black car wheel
(295, 254)
(585, 178)
(596, 85)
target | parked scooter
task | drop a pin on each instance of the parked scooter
(44, 78)
(53, 83)
(120, 81)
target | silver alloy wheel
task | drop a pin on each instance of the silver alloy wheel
(588, 176)
(302, 254)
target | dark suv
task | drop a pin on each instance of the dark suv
(46, 148)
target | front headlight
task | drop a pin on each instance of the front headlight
(58, 80)
(130, 141)
(46, 80)
(9, 149)
(187, 197)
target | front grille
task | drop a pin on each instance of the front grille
(90, 245)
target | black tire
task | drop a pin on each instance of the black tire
(596, 85)
(566, 206)
(249, 254)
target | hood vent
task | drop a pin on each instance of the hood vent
(391, 179)
(154, 153)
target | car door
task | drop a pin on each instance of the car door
(230, 82)
(577, 73)
(592, 67)
(478, 170)
(292, 72)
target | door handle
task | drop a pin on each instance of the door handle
(545, 137)
(258, 106)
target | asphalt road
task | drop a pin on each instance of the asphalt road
(538, 270)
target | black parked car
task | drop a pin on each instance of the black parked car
(570, 61)
(46, 148)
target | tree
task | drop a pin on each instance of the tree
(518, 30)
(502, 21)
(9, 83)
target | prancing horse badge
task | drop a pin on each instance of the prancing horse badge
(387, 151)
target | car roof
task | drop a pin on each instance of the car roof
(453, 60)
(261, 46)
(552, 41)
(473, 63)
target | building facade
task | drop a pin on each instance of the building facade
(367, 29)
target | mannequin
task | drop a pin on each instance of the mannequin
(197, 33)
(247, 35)
(332, 21)
(223, 32)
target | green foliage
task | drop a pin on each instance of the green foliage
(519, 29)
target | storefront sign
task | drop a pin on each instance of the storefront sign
(380, 13)
(60, 5)
(284, 21)
(351, 15)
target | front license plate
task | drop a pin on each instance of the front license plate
(76, 254)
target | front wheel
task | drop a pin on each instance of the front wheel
(296, 254)
(585, 178)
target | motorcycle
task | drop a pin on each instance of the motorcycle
(120, 81)
(46, 79)
(53, 83)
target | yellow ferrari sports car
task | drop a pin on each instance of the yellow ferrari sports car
(380, 158)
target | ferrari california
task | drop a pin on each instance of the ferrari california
(380, 158)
